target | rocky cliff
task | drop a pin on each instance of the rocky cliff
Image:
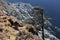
(12, 29)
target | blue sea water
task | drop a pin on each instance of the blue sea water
(51, 7)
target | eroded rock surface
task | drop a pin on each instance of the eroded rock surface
(11, 29)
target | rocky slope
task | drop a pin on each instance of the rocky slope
(11, 29)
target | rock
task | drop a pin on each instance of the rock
(11, 29)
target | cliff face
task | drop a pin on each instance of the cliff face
(11, 29)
